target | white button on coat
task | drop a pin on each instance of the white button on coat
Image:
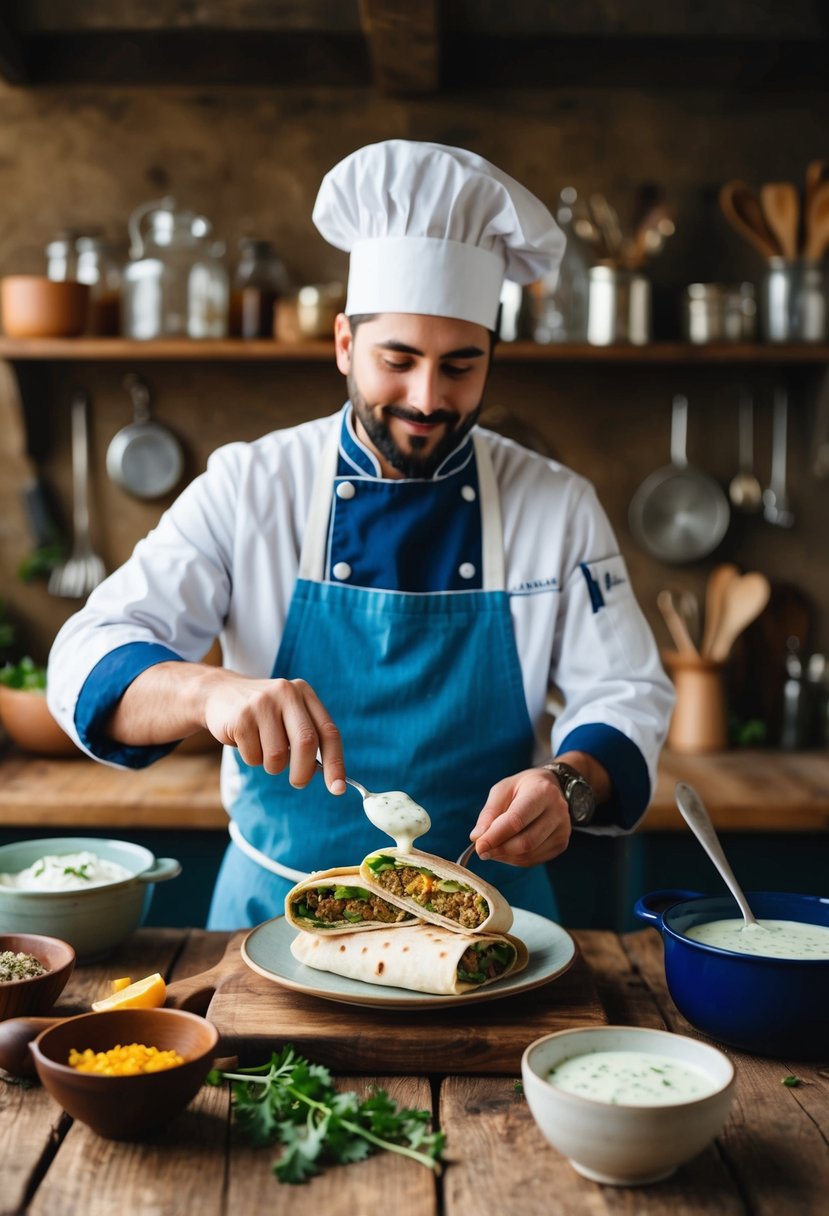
(345, 490)
(468, 493)
(466, 570)
(341, 570)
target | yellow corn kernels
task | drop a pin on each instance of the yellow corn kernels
(124, 1061)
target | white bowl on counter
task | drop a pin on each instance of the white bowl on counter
(93, 921)
(622, 1144)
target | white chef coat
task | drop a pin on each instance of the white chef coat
(224, 559)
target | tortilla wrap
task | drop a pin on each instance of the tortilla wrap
(422, 958)
(352, 913)
(441, 892)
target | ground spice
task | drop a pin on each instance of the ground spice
(19, 966)
(124, 1061)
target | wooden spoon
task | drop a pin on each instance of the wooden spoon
(715, 589)
(816, 240)
(742, 209)
(676, 623)
(781, 208)
(193, 993)
(816, 172)
(745, 599)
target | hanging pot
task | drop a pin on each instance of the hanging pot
(144, 458)
(679, 513)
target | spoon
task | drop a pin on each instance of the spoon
(742, 209)
(466, 854)
(745, 490)
(744, 600)
(817, 224)
(718, 581)
(676, 623)
(777, 507)
(693, 811)
(394, 813)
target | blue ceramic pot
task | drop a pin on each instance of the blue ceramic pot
(767, 1006)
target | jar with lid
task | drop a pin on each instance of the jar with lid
(61, 259)
(99, 264)
(260, 280)
(175, 283)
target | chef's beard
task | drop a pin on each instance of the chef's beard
(409, 462)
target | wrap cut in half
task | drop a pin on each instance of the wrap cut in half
(437, 891)
(335, 901)
(420, 957)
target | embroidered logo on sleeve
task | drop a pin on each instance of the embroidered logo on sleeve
(607, 581)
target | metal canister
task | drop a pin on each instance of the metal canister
(718, 312)
(794, 302)
(618, 307)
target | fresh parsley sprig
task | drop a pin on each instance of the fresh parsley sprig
(292, 1102)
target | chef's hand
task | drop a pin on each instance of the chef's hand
(278, 724)
(275, 723)
(525, 820)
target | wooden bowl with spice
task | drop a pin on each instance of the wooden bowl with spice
(34, 971)
(126, 1080)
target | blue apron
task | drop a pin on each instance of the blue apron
(428, 694)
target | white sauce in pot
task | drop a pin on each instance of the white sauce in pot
(66, 872)
(774, 938)
(631, 1078)
(399, 816)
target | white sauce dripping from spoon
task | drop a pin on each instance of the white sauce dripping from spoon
(394, 813)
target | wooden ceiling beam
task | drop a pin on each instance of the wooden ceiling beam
(404, 44)
(13, 67)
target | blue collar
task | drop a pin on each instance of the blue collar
(356, 460)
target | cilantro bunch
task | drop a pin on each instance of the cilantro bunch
(292, 1102)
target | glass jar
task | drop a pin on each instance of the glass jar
(260, 280)
(718, 312)
(561, 298)
(61, 260)
(99, 264)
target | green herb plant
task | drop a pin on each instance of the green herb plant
(292, 1102)
(25, 674)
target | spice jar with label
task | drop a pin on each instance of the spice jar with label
(260, 280)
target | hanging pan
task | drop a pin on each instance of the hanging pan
(679, 513)
(144, 458)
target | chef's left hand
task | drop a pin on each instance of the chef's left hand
(525, 820)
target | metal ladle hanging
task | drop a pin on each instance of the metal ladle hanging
(144, 458)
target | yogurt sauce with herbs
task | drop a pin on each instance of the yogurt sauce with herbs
(774, 938)
(66, 872)
(631, 1078)
(399, 816)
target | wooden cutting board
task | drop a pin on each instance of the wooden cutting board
(255, 1017)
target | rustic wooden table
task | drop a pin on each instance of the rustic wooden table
(770, 1159)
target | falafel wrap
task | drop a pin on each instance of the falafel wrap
(436, 890)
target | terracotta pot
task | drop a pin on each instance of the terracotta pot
(37, 307)
(700, 719)
(26, 719)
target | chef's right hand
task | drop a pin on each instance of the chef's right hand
(278, 724)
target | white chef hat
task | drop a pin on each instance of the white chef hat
(433, 229)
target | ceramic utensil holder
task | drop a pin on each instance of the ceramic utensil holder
(700, 721)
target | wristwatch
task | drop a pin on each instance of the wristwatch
(578, 794)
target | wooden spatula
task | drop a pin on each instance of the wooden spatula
(781, 209)
(816, 240)
(741, 207)
(745, 598)
(718, 581)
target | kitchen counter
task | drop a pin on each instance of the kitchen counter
(770, 1159)
(745, 791)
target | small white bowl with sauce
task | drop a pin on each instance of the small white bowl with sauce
(626, 1105)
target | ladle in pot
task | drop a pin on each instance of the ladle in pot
(693, 811)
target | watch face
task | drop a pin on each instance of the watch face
(581, 802)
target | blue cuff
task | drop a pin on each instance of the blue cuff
(625, 765)
(101, 692)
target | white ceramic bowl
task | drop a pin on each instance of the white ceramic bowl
(95, 921)
(625, 1145)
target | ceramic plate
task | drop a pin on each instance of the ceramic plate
(267, 950)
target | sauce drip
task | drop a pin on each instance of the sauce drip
(399, 816)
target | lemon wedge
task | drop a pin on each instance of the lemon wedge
(120, 984)
(148, 993)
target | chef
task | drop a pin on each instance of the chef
(395, 589)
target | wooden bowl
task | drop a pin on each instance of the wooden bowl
(26, 720)
(36, 996)
(126, 1108)
(37, 307)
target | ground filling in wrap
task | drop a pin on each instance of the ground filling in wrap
(485, 961)
(446, 896)
(331, 905)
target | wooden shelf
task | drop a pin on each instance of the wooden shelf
(229, 349)
(745, 791)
